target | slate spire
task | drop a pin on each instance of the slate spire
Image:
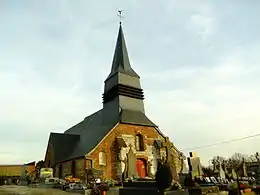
(122, 91)
(121, 63)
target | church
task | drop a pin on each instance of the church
(119, 139)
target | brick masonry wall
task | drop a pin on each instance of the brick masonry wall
(108, 145)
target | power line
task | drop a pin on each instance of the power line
(220, 143)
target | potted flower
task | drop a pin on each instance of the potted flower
(103, 188)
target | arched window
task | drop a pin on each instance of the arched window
(139, 141)
(102, 158)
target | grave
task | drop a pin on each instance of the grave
(195, 167)
(244, 171)
(195, 171)
(131, 164)
(221, 172)
(257, 174)
(184, 171)
(147, 186)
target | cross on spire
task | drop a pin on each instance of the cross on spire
(120, 15)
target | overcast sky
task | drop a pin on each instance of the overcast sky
(197, 60)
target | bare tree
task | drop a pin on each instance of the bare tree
(39, 165)
(238, 157)
(251, 158)
(219, 158)
(257, 156)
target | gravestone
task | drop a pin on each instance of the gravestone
(131, 164)
(184, 171)
(207, 180)
(244, 171)
(233, 174)
(213, 179)
(222, 173)
(214, 163)
(257, 174)
(9, 181)
(149, 168)
(195, 167)
(224, 163)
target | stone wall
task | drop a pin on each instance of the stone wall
(128, 132)
(80, 166)
(177, 160)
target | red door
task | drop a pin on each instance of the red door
(141, 168)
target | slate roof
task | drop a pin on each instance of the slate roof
(80, 139)
(136, 118)
(121, 61)
(62, 145)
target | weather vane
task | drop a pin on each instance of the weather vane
(120, 15)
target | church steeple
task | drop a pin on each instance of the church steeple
(121, 62)
(122, 87)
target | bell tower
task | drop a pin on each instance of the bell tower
(122, 86)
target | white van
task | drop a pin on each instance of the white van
(52, 180)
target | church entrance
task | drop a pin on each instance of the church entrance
(141, 168)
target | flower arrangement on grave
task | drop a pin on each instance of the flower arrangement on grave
(110, 183)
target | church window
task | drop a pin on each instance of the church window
(102, 158)
(139, 141)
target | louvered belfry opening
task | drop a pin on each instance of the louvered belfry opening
(123, 90)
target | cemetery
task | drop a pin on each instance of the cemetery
(194, 180)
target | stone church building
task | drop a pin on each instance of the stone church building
(119, 139)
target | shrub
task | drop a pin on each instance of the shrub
(103, 186)
(163, 177)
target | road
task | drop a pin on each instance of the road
(23, 190)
